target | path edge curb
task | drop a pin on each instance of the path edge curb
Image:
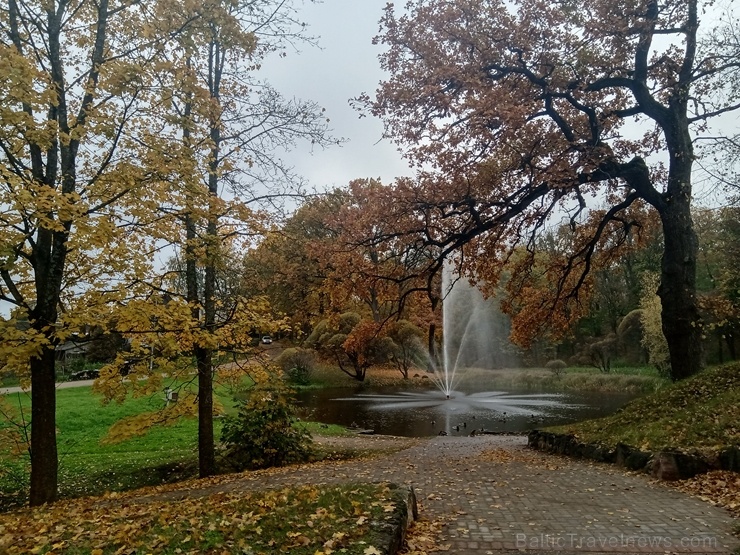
(392, 531)
(669, 464)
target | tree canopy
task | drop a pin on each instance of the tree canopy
(527, 113)
(121, 126)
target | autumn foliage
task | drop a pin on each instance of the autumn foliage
(517, 117)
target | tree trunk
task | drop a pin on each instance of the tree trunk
(44, 456)
(206, 446)
(677, 291)
(434, 359)
(206, 449)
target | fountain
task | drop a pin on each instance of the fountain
(474, 332)
(475, 335)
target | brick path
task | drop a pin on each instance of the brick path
(522, 500)
(501, 498)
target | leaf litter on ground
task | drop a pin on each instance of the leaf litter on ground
(304, 520)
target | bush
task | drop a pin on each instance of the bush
(262, 434)
(653, 339)
(557, 367)
(298, 365)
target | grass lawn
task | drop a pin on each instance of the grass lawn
(640, 379)
(624, 380)
(701, 412)
(90, 465)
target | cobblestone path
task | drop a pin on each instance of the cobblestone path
(498, 497)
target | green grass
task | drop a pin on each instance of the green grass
(301, 520)
(701, 412)
(90, 465)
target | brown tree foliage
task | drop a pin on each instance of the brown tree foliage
(516, 114)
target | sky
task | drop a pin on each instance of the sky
(344, 65)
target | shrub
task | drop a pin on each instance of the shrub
(262, 434)
(298, 364)
(556, 366)
(653, 339)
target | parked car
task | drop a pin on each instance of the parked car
(266, 339)
(84, 375)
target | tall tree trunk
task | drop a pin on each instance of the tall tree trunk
(206, 449)
(206, 446)
(49, 253)
(677, 291)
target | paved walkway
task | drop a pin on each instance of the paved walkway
(499, 497)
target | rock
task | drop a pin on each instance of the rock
(630, 457)
(729, 459)
(637, 460)
(675, 465)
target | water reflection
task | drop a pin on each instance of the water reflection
(425, 413)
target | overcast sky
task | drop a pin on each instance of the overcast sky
(343, 66)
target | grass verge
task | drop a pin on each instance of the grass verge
(625, 380)
(301, 520)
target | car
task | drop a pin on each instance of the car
(84, 375)
(266, 339)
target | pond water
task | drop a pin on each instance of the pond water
(422, 413)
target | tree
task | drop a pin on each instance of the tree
(243, 130)
(719, 250)
(518, 113)
(407, 349)
(287, 267)
(653, 339)
(223, 127)
(355, 343)
(367, 260)
(74, 185)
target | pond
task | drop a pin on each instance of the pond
(420, 413)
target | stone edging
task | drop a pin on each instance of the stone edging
(392, 531)
(670, 464)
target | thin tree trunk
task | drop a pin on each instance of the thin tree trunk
(206, 449)
(206, 445)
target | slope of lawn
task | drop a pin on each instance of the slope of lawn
(89, 465)
(701, 412)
